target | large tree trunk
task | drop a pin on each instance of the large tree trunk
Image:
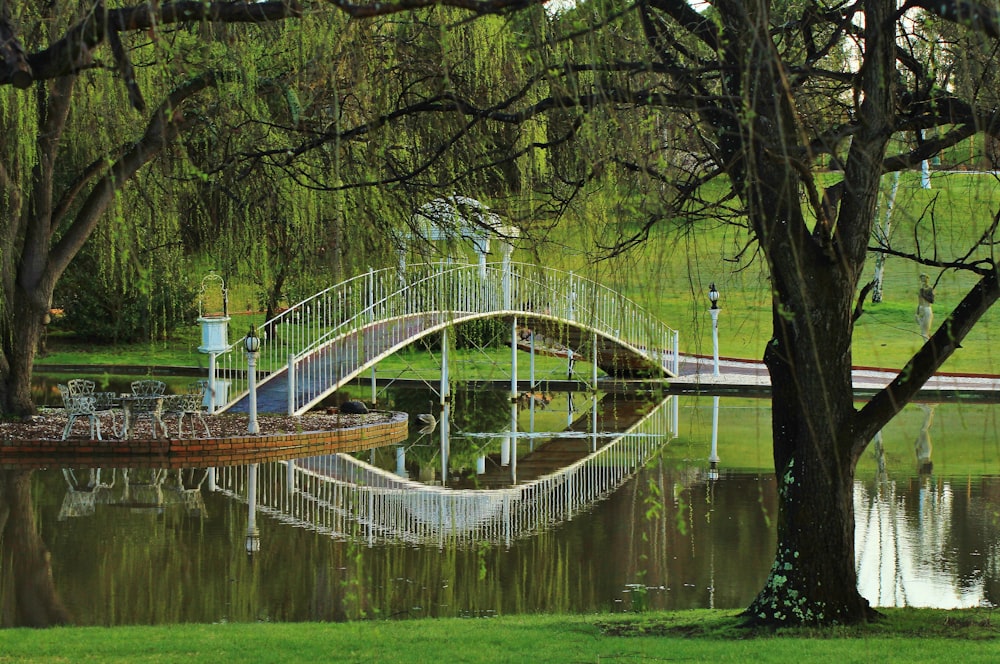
(36, 255)
(19, 348)
(813, 578)
(815, 267)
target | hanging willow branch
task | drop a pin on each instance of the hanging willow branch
(128, 74)
(164, 125)
(72, 53)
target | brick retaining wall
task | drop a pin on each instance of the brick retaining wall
(200, 452)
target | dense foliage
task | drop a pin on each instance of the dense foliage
(134, 305)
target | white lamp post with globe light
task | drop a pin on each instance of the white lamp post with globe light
(713, 297)
(252, 344)
(713, 457)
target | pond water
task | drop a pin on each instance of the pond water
(637, 521)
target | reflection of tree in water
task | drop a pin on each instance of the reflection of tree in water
(922, 446)
(906, 535)
(27, 593)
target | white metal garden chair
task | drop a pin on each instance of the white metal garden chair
(191, 404)
(79, 406)
(105, 403)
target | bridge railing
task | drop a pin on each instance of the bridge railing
(372, 315)
(295, 330)
(343, 497)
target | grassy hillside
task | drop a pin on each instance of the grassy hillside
(669, 274)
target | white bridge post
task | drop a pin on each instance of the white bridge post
(371, 330)
(533, 386)
(513, 442)
(677, 351)
(513, 359)
(593, 367)
(508, 296)
(291, 384)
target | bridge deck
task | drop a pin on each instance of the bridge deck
(321, 343)
(333, 365)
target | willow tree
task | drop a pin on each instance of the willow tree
(373, 98)
(768, 91)
(79, 122)
(63, 162)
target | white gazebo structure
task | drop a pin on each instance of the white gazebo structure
(457, 218)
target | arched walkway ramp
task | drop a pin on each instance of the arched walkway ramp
(320, 344)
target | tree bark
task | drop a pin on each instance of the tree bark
(815, 272)
(31, 271)
(813, 578)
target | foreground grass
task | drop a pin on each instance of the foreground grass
(912, 635)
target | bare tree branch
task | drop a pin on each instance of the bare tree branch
(71, 53)
(126, 71)
(12, 55)
(976, 16)
(371, 9)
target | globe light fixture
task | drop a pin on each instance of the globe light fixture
(252, 341)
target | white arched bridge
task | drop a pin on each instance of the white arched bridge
(320, 344)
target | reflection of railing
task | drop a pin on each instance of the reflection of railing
(330, 338)
(337, 494)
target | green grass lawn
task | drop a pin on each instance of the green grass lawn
(906, 635)
(669, 275)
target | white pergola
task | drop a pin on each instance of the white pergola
(455, 218)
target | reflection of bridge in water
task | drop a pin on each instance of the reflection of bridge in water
(347, 498)
(548, 454)
(322, 343)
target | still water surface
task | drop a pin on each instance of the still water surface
(645, 523)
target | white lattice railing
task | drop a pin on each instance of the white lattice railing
(343, 497)
(324, 341)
